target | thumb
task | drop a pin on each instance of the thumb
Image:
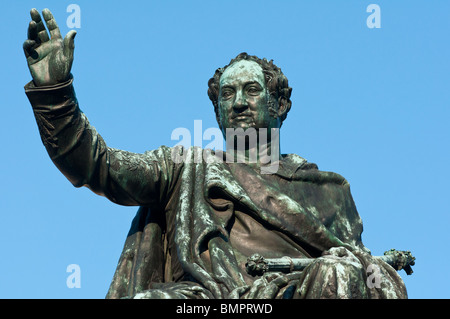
(69, 44)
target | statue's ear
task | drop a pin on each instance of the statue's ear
(284, 106)
(217, 111)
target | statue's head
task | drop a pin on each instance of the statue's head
(249, 92)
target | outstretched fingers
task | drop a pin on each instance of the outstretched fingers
(32, 31)
(42, 35)
(51, 24)
(30, 43)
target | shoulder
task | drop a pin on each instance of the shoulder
(308, 171)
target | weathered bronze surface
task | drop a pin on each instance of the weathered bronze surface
(199, 221)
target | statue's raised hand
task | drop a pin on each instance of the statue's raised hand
(49, 58)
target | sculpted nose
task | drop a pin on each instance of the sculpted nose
(240, 102)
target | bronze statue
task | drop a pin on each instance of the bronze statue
(213, 228)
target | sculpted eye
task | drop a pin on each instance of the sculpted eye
(226, 94)
(253, 90)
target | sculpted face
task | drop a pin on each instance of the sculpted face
(243, 98)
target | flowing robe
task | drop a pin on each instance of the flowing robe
(199, 220)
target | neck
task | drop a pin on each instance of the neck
(256, 153)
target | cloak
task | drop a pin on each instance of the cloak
(311, 208)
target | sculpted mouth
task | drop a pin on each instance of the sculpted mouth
(242, 118)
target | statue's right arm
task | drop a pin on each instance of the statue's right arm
(73, 144)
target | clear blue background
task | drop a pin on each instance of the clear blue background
(370, 104)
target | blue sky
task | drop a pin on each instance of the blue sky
(370, 104)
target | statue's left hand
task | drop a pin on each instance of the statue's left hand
(49, 58)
